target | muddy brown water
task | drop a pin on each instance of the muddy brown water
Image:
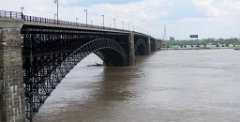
(167, 86)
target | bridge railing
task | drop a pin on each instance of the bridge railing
(11, 14)
(20, 15)
(67, 23)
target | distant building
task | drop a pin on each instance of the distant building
(172, 38)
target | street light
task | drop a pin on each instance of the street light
(56, 1)
(114, 22)
(22, 8)
(123, 24)
(85, 10)
(103, 20)
(76, 20)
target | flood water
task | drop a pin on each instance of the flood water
(167, 86)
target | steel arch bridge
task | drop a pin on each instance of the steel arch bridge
(48, 56)
(50, 49)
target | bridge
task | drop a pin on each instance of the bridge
(37, 53)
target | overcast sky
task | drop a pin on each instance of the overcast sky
(208, 18)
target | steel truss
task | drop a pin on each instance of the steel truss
(140, 47)
(50, 54)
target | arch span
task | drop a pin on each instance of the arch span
(140, 47)
(107, 49)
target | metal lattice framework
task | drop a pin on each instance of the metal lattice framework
(49, 57)
(140, 47)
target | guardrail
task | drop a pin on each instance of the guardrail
(10, 14)
(20, 15)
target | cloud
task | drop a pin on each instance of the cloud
(223, 9)
(209, 18)
(185, 10)
(87, 3)
(222, 18)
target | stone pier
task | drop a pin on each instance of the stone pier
(11, 73)
(149, 46)
(132, 57)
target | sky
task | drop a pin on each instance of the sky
(207, 18)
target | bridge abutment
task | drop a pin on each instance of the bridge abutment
(132, 57)
(11, 72)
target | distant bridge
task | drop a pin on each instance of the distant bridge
(37, 53)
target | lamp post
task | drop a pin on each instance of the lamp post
(103, 20)
(114, 22)
(123, 24)
(85, 10)
(22, 8)
(56, 1)
(76, 20)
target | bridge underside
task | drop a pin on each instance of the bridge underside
(49, 54)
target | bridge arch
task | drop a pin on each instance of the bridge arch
(38, 89)
(107, 49)
(140, 47)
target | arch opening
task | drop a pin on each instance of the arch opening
(41, 87)
(140, 47)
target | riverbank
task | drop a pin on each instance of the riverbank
(237, 48)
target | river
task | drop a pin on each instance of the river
(167, 86)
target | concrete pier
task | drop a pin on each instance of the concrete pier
(132, 57)
(148, 46)
(11, 73)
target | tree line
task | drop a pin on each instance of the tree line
(217, 42)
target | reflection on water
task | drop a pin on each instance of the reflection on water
(175, 86)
